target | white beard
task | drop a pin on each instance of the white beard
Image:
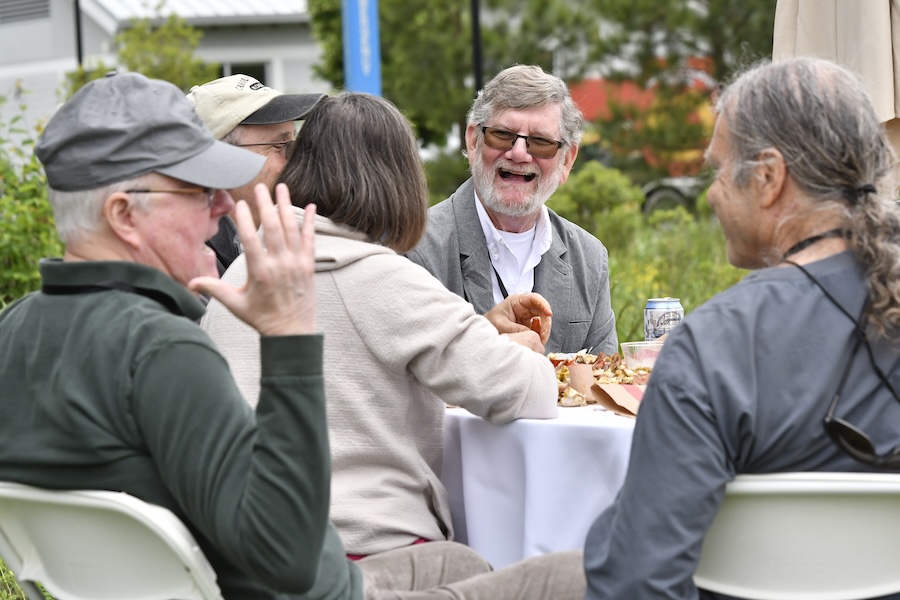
(484, 184)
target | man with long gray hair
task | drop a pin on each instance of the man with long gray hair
(750, 381)
(494, 236)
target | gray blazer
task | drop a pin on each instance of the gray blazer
(573, 274)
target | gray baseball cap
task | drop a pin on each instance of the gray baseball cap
(126, 125)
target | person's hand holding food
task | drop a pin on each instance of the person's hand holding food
(520, 313)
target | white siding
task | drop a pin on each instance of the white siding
(299, 77)
(39, 93)
(198, 10)
(17, 41)
(273, 32)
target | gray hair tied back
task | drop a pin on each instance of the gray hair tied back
(866, 189)
(821, 119)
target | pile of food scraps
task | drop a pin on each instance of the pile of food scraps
(605, 368)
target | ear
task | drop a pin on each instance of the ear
(568, 162)
(122, 218)
(770, 176)
(471, 140)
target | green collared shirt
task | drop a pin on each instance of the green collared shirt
(108, 383)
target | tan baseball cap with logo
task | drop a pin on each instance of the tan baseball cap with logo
(225, 103)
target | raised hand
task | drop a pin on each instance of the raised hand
(278, 297)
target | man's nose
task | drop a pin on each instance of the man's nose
(519, 150)
(222, 203)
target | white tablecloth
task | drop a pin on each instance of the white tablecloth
(532, 486)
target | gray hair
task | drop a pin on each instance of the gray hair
(80, 213)
(821, 119)
(235, 136)
(523, 87)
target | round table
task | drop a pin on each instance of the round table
(532, 486)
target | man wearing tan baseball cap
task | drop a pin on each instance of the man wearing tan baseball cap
(241, 111)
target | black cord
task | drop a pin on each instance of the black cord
(804, 244)
(857, 323)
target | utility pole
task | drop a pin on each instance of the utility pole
(78, 49)
(476, 48)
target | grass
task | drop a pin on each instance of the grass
(679, 257)
(9, 587)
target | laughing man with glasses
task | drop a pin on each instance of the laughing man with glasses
(494, 236)
(796, 368)
(241, 111)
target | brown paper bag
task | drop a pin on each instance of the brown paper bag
(621, 398)
(581, 377)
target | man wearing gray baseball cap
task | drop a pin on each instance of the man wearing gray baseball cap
(108, 383)
(241, 111)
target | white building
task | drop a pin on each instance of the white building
(270, 39)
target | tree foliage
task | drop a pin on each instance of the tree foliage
(424, 59)
(444, 172)
(680, 51)
(27, 230)
(426, 51)
(651, 39)
(164, 51)
(667, 253)
(603, 201)
(554, 34)
(663, 47)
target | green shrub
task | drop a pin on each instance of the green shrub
(162, 48)
(603, 201)
(667, 253)
(675, 255)
(445, 173)
(27, 231)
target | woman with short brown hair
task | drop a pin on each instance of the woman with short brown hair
(398, 346)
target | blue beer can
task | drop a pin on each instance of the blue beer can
(660, 316)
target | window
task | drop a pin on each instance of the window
(256, 70)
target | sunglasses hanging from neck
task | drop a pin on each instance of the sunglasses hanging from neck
(849, 438)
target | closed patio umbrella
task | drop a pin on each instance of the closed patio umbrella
(857, 34)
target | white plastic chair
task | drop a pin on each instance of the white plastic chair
(97, 545)
(805, 536)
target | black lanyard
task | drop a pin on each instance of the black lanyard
(859, 326)
(500, 281)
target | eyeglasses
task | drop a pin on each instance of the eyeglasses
(189, 191)
(538, 147)
(284, 146)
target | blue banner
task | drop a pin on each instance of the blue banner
(362, 50)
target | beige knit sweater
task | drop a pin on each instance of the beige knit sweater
(398, 346)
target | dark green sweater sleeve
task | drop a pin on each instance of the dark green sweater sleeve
(256, 488)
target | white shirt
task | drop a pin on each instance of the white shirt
(515, 255)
